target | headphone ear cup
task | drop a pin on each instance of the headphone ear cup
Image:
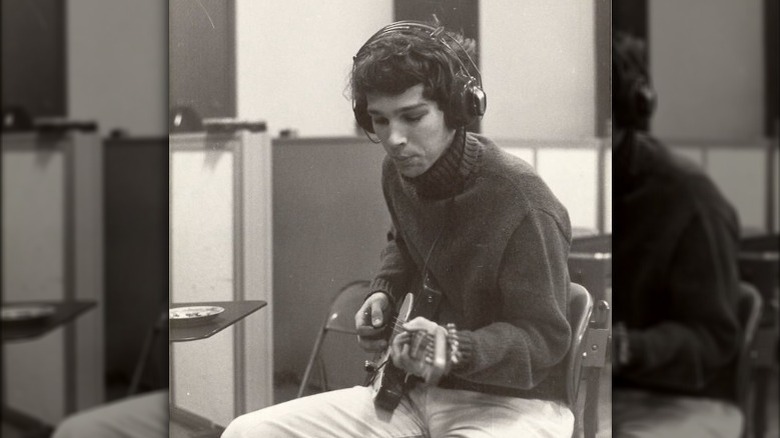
(477, 100)
(643, 101)
(640, 102)
(468, 103)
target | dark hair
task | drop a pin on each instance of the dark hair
(633, 99)
(393, 62)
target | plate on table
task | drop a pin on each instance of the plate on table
(14, 313)
(193, 315)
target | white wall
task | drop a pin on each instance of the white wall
(117, 56)
(293, 60)
(707, 66)
(538, 68)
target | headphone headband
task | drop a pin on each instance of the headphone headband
(437, 33)
(468, 101)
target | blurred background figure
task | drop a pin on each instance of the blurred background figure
(695, 218)
(676, 333)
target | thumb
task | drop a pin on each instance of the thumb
(377, 315)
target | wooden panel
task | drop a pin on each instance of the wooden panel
(136, 257)
(454, 14)
(202, 56)
(630, 16)
(459, 15)
(771, 72)
(34, 56)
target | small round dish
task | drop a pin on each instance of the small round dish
(193, 315)
(19, 313)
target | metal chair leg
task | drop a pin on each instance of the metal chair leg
(309, 366)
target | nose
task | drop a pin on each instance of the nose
(396, 137)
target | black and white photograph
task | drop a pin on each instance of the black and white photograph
(390, 218)
(379, 199)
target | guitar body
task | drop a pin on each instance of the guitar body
(389, 380)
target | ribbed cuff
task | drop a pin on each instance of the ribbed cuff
(466, 349)
(381, 285)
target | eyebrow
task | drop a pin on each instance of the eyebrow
(399, 110)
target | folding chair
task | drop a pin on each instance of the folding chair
(341, 319)
(749, 313)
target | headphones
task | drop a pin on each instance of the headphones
(633, 100)
(468, 101)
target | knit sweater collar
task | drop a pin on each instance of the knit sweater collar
(449, 175)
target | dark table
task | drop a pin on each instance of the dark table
(64, 312)
(234, 312)
(17, 331)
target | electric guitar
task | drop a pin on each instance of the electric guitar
(388, 381)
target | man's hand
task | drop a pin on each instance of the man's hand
(371, 322)
(408, 349)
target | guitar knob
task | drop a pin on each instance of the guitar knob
(370, 366)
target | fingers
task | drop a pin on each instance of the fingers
(397, 352)
(370, 323)
(377, 314)
(361, 317)
(402, 355)
(421, 323)
(373, 311)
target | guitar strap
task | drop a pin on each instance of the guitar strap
(427, 305)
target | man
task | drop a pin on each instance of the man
(475, 225)
(676, 333)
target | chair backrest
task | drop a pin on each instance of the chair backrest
(341, 317)
(749, 305)
(580, 309)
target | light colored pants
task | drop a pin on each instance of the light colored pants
(142, 416)
(428, 412)
(642, 414)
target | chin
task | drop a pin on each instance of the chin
(411, 173)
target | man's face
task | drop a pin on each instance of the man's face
(411, 129)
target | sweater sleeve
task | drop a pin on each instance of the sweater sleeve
(531, 333)
(703, 334)
(396, 268)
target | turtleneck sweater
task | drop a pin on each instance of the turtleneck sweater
(675, 246)
(494, 240)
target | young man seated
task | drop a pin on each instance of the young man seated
(475, 230)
